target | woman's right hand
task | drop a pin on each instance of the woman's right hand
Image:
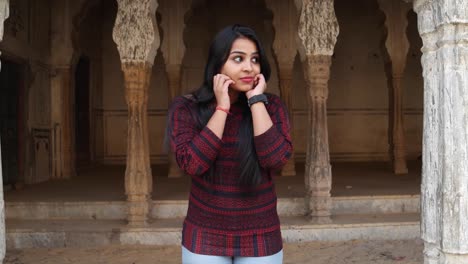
(221, 84)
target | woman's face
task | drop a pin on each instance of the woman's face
(242, 65)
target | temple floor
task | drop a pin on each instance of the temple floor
(106, 183)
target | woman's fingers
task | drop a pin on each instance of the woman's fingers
(226, 84)
(219, 81)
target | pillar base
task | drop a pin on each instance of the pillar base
(446, 258)
(320, 220)
(138, 210)
(434, 255)
(175, 172)
(318, 205)
(289, 169)
(399, 167)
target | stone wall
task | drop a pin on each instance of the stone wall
(27, 44)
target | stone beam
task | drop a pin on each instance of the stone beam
(443, 26)
(137, 38)
(317, 35)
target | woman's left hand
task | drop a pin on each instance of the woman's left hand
(259, 88)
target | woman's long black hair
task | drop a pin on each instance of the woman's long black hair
(204, 96)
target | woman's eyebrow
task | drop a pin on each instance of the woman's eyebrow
(241, 52)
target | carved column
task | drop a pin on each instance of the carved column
(173, 50)
(137, 38)
(63, 160)
(318, 31)
(284, 45)
(443, 26)
(4, 13)
(62, 131)
(397, 46)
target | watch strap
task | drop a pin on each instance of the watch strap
(257, 98)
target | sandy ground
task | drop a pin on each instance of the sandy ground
(363, 252)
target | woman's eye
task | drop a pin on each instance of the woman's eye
(255, 60)
(238, 59)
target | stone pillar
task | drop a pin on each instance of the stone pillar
(173, 50)
(397, 46)
(443, 26)
(317, 32)
(62, 101)
(2, 202)
(285, 48)
(4, 13)
(62, 131)
(137, 38)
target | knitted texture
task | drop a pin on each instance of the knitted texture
(224, 217)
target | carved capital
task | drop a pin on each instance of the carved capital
(285, 23)
(317, 74)
(137, 77)
(396, 22)
(172, 22)
(135, 31)
(318, 28)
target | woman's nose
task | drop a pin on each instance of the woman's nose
(247, 66)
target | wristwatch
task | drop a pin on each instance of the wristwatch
(257, 98)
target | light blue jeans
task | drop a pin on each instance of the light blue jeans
(192, 258)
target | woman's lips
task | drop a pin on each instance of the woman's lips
(247, 79)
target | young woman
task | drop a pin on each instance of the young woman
(231, 137)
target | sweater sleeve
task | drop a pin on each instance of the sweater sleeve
(195, 150)
(274, 146)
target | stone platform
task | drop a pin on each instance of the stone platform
(369, 202)
(91, 233)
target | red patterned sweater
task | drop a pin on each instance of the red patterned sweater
(225, 218)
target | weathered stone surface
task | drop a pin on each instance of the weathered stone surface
(4, 13)
(63, 161)
(318, 28)
(137, 37)
(163, 209)
(443, 26)
(318, 176)
(135, 31)
(317, 35)
(138, 179)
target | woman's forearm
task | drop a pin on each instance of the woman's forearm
(217, 123)
(260, 118)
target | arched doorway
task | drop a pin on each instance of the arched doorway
(11, 121)
(82, 117)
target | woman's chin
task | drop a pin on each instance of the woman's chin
(242, 89)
